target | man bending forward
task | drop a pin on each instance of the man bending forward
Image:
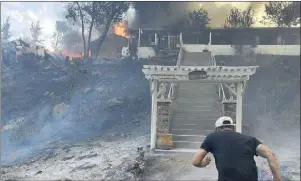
(234, 153)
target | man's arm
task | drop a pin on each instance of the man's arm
(267, 153)
(198, 159)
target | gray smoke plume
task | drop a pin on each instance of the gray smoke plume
(217, 12)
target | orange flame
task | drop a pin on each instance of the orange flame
(75, 55)
(121, 29)
(72, 54)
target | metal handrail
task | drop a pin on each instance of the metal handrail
(181, 51)
(170, 91)
(180, 56)
(213, 62)
(223, 92)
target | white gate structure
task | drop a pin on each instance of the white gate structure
(164, 84)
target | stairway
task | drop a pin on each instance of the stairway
(196, 58)
(194, 113)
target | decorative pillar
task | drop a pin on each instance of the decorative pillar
(154, 115)
(239, 88)
(163, 136)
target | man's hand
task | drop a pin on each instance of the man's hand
(206, 161)
(199, 159)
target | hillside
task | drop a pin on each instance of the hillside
(108, 118)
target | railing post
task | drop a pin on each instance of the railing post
(138, 46)
(181, 40)
(239, 107)
(156, 39)
(219, 90)
(209, 47)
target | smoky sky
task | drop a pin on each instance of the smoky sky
(158, 14)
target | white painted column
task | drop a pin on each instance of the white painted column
(138, 46)
(154, 115)
(181, 39)
(239, 107)
(156, 40)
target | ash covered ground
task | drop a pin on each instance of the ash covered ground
(109, 109)
(108, 117)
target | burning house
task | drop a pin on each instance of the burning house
(115, 40)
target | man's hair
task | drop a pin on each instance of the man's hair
(226, 127)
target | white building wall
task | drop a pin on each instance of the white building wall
(260, 49)
(144, 52)
(289, 50)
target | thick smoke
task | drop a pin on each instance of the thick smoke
(271, 109)
(217, 12)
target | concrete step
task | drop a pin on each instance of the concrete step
(196, 101)
(187, 145)
(203, 90)
(199, 106)
(189, 138)
(188, 120)
(198, 87)
(197, 96)
(212, 104)
(193, 110)
(185, 106)
(181, 105)
(195, 84)
(195, 115)
(198, 126)
(177, 152)
(197, 91)
(192, 131)
(178, 118)
(193, 120)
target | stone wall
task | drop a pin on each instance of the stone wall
(163, 117)
(163, 136)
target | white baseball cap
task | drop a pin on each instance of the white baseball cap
(224, 121)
